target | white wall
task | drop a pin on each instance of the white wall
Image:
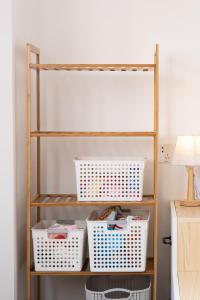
(112, 31)
(8, 284)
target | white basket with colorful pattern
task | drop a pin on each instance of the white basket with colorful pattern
(107, 179)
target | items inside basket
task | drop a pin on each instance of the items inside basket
(60, 230)
(116, 213)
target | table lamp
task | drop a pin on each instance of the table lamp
(187, 153)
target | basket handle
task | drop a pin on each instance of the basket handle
(117, 290)
(57, 230)
(117, 222)
(123, 222)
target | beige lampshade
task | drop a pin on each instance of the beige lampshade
(187, 151)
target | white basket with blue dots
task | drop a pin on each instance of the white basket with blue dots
(118, 250)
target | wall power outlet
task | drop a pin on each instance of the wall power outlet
(166, 153)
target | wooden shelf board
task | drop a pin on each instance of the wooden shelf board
(71, 200)
(86, 271)
(91, 134)
(94, 67)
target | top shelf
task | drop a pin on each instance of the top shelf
(94, 67)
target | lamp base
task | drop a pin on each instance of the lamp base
(190, 203)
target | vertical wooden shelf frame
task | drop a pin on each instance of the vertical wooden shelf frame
(156, 130)
(45, 200)
(30, 50)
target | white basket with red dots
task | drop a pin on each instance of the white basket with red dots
(59, 249)
(106, 179)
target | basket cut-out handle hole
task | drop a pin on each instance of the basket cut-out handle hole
(117, 293)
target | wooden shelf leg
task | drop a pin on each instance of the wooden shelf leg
(155, 260)
(28, 213)
(38, 288)
(31, 49)
(156, 129)
(38, 155)
(28, 285)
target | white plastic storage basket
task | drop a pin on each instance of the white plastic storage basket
(118, 288)
(122, 250)
(58, 254)
(105, 179)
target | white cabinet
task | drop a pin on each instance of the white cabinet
(174, 249)
(185, 252)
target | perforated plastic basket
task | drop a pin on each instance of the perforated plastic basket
(105, 179)
(58, 254)
(118, 288)
(119, 250)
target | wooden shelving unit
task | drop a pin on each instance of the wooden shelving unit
(52, 200)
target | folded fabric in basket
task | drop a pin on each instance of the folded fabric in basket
(111, 213)
(60, 228)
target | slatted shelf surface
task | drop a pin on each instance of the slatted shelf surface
(71, 200)
(86, 271)
(94, 67)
